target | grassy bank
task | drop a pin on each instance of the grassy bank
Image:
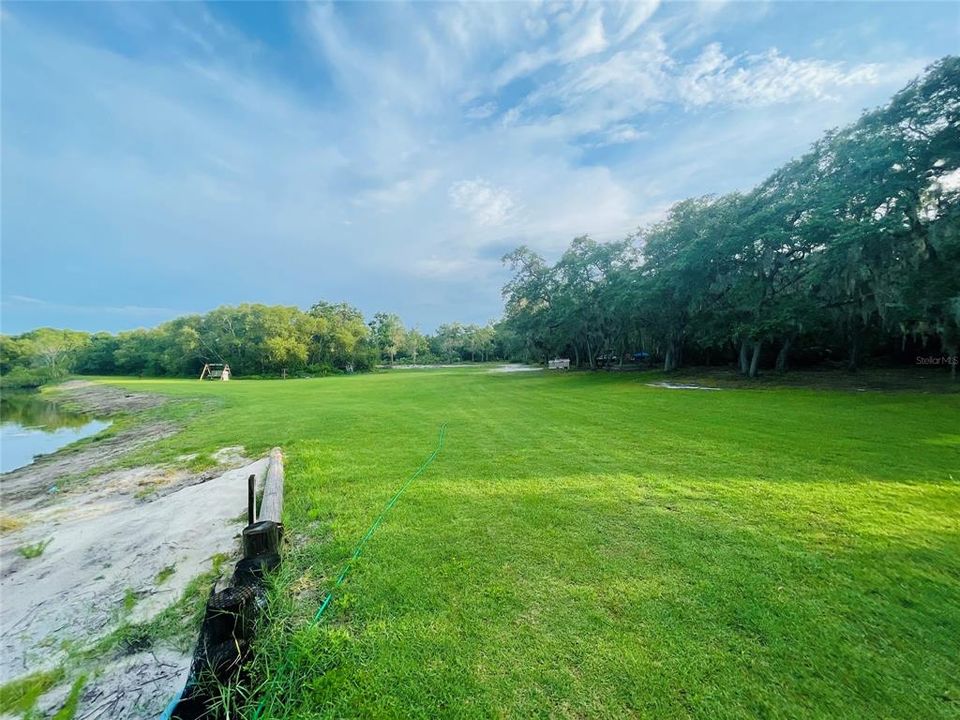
(589, 546)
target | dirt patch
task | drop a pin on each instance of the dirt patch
(232, 455)
(677, 386)
(99, 399)
(515, 367)
(34, 484)
(135, 686)
(120, 547)
(874, 379)
(110, 557)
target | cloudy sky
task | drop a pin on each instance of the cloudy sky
(159, 159)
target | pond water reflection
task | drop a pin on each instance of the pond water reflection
(32, 425)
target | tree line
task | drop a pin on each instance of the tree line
(849, 252)
(255, 340)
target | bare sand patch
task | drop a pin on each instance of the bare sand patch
(34, 483)
(515, 367)
(120, 547)
(680, 386)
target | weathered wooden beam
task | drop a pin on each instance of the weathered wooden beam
(271, 506)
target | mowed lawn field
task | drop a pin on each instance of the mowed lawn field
(588, 546)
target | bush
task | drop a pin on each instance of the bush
(23, 378)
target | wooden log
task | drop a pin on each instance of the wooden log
(271, 506)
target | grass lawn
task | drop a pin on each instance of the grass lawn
(589, 546)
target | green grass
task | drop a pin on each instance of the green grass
(69, 709)
(129, 600)
(34, 550)
(588, 546)
(19, 696)
(165, 574)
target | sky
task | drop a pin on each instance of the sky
(163, 159)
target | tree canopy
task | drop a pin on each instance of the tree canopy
(852, 249)
(253, 339)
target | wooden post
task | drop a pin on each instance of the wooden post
(261, 538)
(271, 506)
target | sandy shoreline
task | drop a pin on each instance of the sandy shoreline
(119, 546)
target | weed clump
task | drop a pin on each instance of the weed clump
(34, 550)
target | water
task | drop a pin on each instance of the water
(31, 425)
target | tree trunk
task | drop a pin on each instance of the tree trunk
(576, 353)
(744, 365)
(671, 360)
(593, 365)
(853, 358)
(755, 360)
(951, 352)
(782, 356)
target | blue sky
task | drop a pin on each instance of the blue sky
(160, 159)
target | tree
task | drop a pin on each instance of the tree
(844, 248)
(342, 339)
(414, 344)
(388, 334)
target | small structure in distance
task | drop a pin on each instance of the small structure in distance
(559, 364)
(215, 371)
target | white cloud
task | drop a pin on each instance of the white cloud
(579, 40)
(219, 157)
(481, 112)
(619, 134)
(70, 308)
(440, 267)
(401, 192)
(766, 78)
(486, 204)
(631, 16)
(537, 27)
(603, 96)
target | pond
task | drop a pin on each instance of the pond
(32, 425)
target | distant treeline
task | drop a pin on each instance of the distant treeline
(252, 339)
(847, 253)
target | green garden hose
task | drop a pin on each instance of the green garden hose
(328, 598)
(376, 523)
